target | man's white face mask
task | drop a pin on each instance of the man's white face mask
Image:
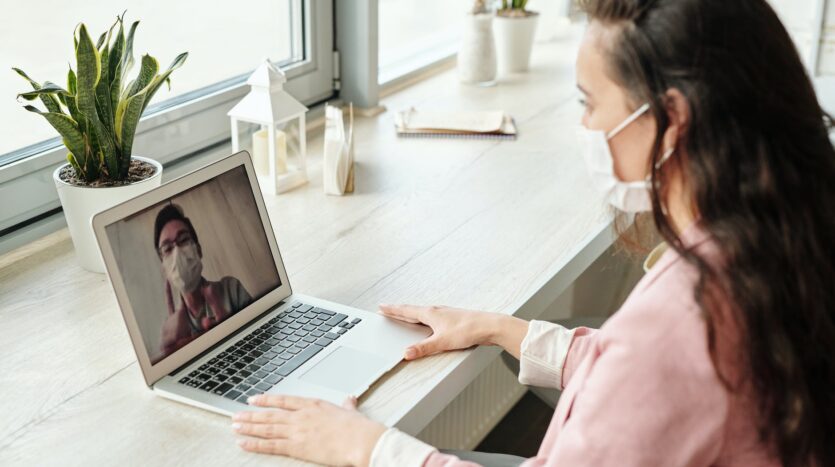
(183, 267)
(627, 196)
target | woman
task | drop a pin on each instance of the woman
(723, 353)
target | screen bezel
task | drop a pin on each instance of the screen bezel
(154, 372)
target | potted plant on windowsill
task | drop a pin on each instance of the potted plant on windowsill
(514, 29)
(96, 117)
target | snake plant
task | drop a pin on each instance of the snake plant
(97, 114)
(513, 4)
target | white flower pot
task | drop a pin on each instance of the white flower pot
(514, 41)
(81, 203)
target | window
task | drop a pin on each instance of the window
(417, 33)
(225, 41)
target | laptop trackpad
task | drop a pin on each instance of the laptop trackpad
(345, 370)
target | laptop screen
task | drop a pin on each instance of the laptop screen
(192, 261)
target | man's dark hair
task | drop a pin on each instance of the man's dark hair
(172, 212)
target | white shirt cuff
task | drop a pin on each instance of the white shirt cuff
(543, 350)
(397, 448)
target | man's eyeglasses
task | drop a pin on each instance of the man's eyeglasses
(182, 240)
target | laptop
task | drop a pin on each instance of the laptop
(212, 316)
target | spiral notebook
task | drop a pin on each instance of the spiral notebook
(493, 124)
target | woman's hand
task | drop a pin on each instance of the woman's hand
(309, 429)
(455, 328)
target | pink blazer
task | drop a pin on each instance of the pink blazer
(641, 391)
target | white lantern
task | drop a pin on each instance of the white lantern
(279, 147)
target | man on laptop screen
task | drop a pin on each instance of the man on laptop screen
(184, 284)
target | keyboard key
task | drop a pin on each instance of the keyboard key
(254, 392)
(305, 308)
(294, 325)
(325, 312)
(273, 379)
(298, 360)
(335, 319)
(242, 399)
(317, 333)
(309, 327)
(193, 373)
(233, 394)
(209, 385)
(341, 331)
(243, 387)
(331, 336)
(184, 380)
(221, 377)
(244, 373)
(269, 367)
(325, 328)
(294, 350)
(204, 377)
(355, 320)
(262, 386)
(252, 380)
(221, 390)
(260, 374)
(323, 341)
(235, 380)
(296, 304)
(309, 339)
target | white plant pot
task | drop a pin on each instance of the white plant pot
(82, 203)
(514, 41)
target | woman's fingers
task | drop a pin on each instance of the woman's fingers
(262, 430)
(431, 345)
(409, 313)
(282, 402)
(264, 416)
(266, 446)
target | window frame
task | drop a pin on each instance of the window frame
(167, 132)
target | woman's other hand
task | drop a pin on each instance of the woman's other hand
(456, 328)
(309, 429)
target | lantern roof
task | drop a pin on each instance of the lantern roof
(267, 102)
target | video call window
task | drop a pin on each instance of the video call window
(194, 260)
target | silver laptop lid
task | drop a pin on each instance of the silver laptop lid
(191, 262)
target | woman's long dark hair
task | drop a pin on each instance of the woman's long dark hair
(759, 167)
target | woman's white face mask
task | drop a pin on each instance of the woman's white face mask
(183, 267)
(627, 196)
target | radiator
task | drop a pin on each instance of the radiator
(476, 411)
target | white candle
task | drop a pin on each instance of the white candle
(261, 155)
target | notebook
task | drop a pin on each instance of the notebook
(493, 124)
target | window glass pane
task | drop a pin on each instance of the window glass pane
(410, 29)
(224, 39)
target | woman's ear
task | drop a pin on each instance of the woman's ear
(678, 114)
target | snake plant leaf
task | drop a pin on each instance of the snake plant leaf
(88, 74)
(103, 92)
(127, 59)
(75, 165)
(47, 88)
(147, 71)
(66, 127)
(164, 77)
(71, 82)
(115, 66)
(48, 101)
(130, 119)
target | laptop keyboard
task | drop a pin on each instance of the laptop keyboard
(270, 353)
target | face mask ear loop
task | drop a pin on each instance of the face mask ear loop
(669, 152)
(628, 120)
